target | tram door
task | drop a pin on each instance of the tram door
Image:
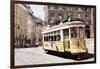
(66, 38)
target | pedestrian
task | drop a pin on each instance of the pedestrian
(25, 42)
(19, 42)
(28, 44)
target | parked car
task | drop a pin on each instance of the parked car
(37, 44)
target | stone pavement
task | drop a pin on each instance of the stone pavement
(36, 55)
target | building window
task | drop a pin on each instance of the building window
(86, 9)
(18, 27)
(56, 7)
(76, 8)
(60, 8)
(51, 8)
(86, 16)
(79, 14)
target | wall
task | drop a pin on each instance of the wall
(20, 20)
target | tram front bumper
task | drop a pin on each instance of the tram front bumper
(78, 51)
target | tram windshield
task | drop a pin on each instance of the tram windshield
(77, 32)
(81, 32)
(73, 32)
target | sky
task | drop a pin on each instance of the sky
(38, 11)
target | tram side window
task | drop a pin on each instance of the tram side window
(51, 38)
(47, 38)
(54, 38)
(44, 38)
(73, 32)
(66, 33)
(58, 38)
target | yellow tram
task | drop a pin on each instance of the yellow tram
(67, 37)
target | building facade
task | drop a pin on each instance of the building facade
(20, 20)
(57, 14)
(28, 27)
(38, 30)
(24, 23)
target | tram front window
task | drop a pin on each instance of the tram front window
(73, 32)
(81, 32)
(77, 32)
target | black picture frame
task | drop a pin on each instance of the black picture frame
(12, 34)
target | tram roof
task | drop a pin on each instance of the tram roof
(64, 26)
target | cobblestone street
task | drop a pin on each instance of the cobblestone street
(36, 55)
